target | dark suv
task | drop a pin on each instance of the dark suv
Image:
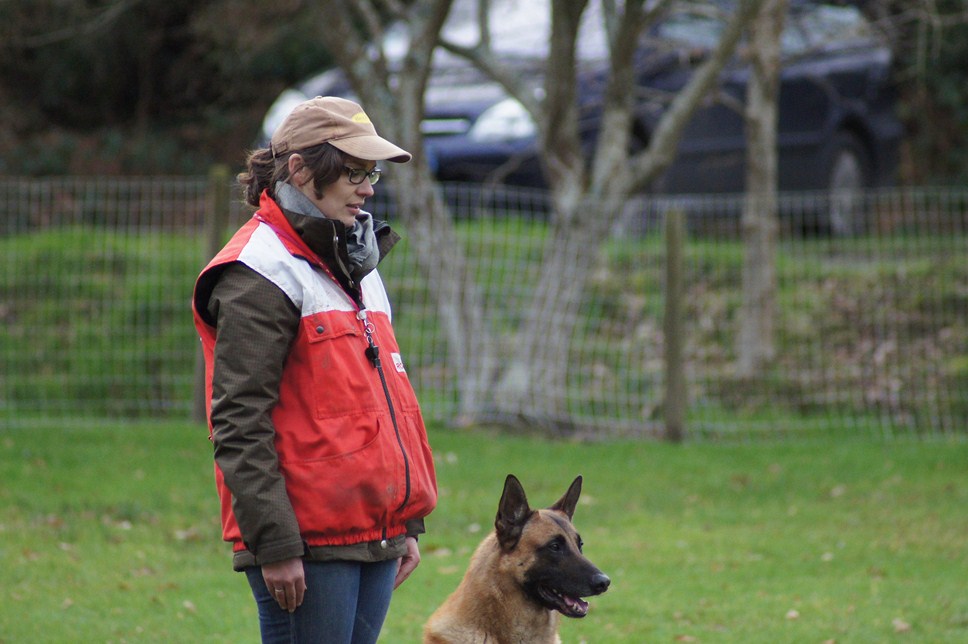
(837, 131)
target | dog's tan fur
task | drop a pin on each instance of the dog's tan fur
(491, 604)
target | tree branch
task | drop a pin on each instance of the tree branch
(97, 23)
(661, 150)
(483, 58)
(624, 31)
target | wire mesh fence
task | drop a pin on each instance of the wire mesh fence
(871, 328)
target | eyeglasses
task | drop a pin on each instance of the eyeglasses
(356, 175)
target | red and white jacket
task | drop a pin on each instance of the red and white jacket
(349, 435)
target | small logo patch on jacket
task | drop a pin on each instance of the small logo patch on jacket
(398, 362)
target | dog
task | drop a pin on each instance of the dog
(523, 576)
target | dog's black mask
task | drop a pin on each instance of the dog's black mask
(561, 576)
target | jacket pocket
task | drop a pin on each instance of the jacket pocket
(343, 380)
(423, 477)
(347, 494)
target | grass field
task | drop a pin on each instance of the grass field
(110, 535)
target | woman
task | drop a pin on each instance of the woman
(321, 456)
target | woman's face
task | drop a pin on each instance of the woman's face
(340, 200)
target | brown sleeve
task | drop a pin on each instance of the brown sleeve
(255, 326)
(415, 527)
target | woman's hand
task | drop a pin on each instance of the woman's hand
(286, 581)
(408, 562)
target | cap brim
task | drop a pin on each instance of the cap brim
(371, 148)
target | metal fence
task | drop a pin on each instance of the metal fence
(871, 328)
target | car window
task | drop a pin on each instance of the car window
(825, 26)
(691, 29)
(808, 28)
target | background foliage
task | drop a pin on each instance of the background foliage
(931, 39)
(140, 87)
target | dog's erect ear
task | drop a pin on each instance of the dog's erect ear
(569, 501)
(512, 513)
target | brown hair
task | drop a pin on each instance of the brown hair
(263, 171)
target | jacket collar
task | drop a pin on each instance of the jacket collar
(321, 240)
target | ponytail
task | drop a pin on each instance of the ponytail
(264, 171)
(262, 174)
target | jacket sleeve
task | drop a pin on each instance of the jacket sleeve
(255, 326)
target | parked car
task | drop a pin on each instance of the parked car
(837, 132)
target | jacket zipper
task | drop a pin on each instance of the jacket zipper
(373, 355)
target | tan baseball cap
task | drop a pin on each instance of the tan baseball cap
(339, 122)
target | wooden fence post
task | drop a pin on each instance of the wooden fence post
(674, 403)
(219, 195)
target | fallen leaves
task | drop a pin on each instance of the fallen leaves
(900, 626)
(189, 535)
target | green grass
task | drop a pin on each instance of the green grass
(110, 534)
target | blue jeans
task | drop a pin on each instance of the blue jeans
(345, 603)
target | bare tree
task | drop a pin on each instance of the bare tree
(586, 194)
(755, 343)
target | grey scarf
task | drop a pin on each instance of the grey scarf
(361, 246)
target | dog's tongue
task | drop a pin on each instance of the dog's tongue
(577, 607)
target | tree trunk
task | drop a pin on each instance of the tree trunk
(472, 358)
(531, 389)
(755, 346)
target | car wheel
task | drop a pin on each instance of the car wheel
(847, 184)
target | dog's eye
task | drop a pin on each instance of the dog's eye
(581, 545)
